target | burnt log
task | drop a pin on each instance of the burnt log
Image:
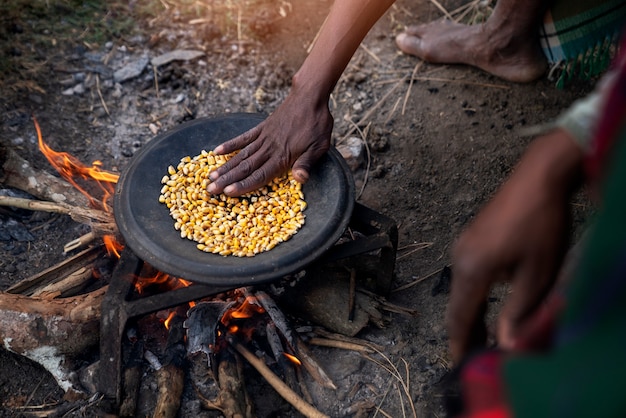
(51, 332)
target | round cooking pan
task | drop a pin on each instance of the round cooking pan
(148, 229)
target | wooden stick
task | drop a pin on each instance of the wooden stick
(312, 366)
(99, 220)
(16, 172)
(132, 381)
(79, 242)
(351, 340)
(232, 399)
(283, 390)
(352, 295)
(170, 383)
(57, 272)
(69, 286)
(325, 342)
(419, 280)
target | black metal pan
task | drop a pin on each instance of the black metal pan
(148, 229)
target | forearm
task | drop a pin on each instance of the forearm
(346, 26)
(555, 160)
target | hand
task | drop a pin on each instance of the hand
(520, 237)
(298, 133)
(294, 137)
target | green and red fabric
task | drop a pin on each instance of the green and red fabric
(584, 373)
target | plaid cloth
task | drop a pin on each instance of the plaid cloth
(579, 38)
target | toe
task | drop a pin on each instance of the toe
(409, 44)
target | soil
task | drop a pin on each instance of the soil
(437, 148)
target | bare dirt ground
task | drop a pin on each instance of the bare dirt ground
(440, 140)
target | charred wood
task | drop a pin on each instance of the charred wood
(171, 377)
(232, 399)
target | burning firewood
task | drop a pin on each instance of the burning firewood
(213, 326)
(18, 173)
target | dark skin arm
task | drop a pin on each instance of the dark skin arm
(298, 133)
(519, 237)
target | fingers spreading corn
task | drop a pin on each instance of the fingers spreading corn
(243, 226)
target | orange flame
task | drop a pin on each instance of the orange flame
(293, 359)
(72, 170)
(246, 310)
(169, 319)
(113, 247)
(69, 167)
(160, 278)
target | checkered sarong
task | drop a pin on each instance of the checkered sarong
(579, 38)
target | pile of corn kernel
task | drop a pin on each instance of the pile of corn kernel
(239, 226)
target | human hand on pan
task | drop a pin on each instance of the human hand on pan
(294, 137)
(298, 133)
(519, 237)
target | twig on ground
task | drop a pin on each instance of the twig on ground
(156, 80)
(404, 382)
(393, 110)
(408, 90)
(462, 11)
(325, 342)
(417, 247)
(104, 105)
(470, 83)
(340, 337)
(373, 109)
(441, 8)
(417, 281)
(371, 54)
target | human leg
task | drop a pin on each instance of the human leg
(506, 45)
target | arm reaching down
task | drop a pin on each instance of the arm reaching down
(298, 133)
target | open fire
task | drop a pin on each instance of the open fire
(223, 324)
(211, 325)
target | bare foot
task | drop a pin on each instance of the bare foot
(512, 58)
